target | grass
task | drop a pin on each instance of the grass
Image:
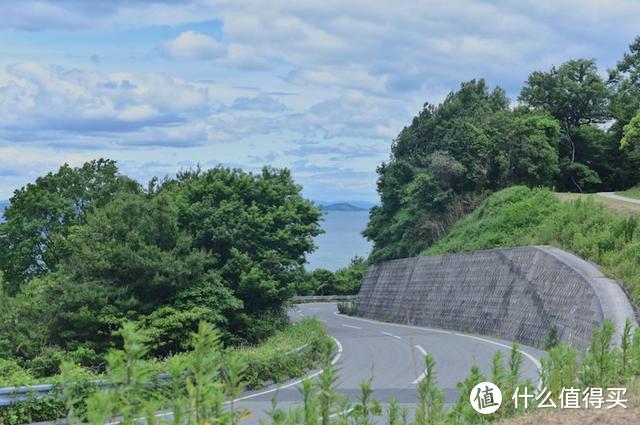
(634, 192)
(521, 216)
(281, 357)
(626, 209)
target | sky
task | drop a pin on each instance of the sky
(321, 87)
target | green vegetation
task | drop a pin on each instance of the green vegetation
(455, 154)
(85, 250)
(521, 216)
(633, 192)
(350, 308)
(345, 281)
(203, 382)
(287, 354)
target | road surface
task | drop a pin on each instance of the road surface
(393, 356)
(613, 195)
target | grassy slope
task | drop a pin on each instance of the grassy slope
(520, 216)
(634, 192)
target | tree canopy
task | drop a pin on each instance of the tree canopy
(222, 246)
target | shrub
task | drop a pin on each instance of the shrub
(350, 308)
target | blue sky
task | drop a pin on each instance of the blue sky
(319, 86)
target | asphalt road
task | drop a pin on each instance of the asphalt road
(613, 195)
(392, 355)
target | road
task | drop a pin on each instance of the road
(613, 195)
(393, 356)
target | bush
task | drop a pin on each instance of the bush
(344, 281)
(350, 308)
(280, 357)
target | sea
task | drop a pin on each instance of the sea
(341, 241)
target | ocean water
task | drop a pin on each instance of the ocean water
(341, 241)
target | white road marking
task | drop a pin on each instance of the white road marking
(353, 327)
(423, 374)
(392, 335)
(488, 341)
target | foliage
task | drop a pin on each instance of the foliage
(136, 382)
(33, 240)
(344, 281)
(452, 154)
(203, 383)
(220, 246)
(350, 308)
(280, 357)
(631, 136)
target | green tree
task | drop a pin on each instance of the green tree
(631, 136)
(129, 261)
(34, 238)
(576, 95)
(258, 229)
(449, 158)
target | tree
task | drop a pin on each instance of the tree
(449, 158)
(257, 227)
(576, 96)
(129, 261)
(631, 136)
(41, 214)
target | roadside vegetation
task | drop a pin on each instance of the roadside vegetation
(84, 250)
(289, 353)
(344, 281)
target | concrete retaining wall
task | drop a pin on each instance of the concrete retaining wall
(517, 294)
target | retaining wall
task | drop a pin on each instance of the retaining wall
(516, 294)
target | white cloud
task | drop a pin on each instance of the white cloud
(193, 45)
(39, 101)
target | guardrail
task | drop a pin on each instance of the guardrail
(301, 299)
(13, 395)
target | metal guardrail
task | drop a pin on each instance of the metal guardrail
(301, 299)
(13, 395)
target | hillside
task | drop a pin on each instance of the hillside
(521, 216)
(342, 206)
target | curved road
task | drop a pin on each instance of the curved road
(613, 195)
(392, 355)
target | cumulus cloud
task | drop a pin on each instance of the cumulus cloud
(193, 45)
(44, 102)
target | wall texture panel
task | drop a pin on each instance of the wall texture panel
(516, 294)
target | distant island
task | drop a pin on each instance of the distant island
(341, 206)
